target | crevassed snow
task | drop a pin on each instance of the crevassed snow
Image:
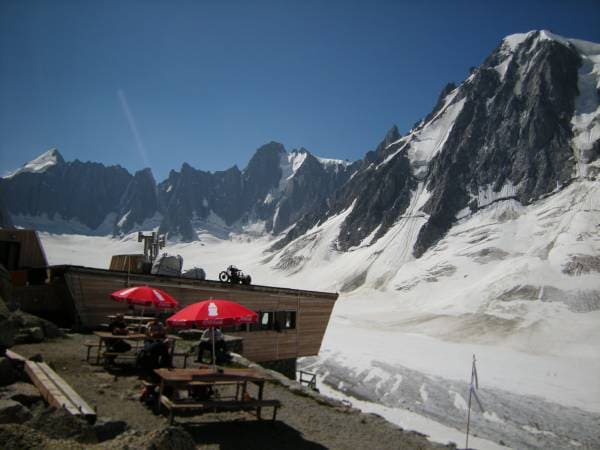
(39, 164)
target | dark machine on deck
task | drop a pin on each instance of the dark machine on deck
(234, 275)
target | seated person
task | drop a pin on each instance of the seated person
(118, 326)
(156, 352)
(155, 330)
(206, 344)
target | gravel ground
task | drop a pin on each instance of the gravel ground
(305, 421)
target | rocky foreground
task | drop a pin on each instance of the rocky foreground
(307, 420)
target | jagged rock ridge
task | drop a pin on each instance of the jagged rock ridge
(505, 132)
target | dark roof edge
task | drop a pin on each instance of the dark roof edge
(209, 283)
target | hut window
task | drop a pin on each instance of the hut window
(290, 320)
(285, 320)
(273, 320)
(266, 320)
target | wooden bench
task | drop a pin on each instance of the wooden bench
(109, 357)
(180, 408)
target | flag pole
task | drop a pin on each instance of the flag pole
(472, 387)
(468, 420)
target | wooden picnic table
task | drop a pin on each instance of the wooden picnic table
(105, 337)
(188, 378)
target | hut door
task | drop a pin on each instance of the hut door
(9, 254)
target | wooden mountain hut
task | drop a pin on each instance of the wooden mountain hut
(292, 322)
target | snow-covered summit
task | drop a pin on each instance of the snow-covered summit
(40, 164)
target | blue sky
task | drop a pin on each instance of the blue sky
(157, 83)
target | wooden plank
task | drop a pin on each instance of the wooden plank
(79, 402)
(50, 392)
(55, 390)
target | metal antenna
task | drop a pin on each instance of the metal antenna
(473, 394)
(153, 242)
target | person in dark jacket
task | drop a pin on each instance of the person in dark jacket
(118, 326)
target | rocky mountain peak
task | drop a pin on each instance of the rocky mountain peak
(46, 160)
(523, 125)
(138, 203)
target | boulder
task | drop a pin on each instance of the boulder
(7, 328)
(59, 424)
(19, 437)
(171, 438)
(107, 429)
(24, 393)
(13, 412)
(26, 320)
(36, 334)
(8, 331)
(8, 373)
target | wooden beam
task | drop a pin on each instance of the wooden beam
(57, 391)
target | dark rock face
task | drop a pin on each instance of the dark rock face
(192, 194)
(263, 173)
(377, 197)
(512, 131)
(261, 192)
(138, 203)
(501, 137)
(311, 186)
(5, 221)
(86, 192)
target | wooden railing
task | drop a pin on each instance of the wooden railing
(307, 378)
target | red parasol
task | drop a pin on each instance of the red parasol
(145, 296)
(212, 313)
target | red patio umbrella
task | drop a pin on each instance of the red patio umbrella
(212, 313)
(145, 296)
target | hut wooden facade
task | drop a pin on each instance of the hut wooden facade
(291, 322)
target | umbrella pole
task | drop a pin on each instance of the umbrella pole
(213, 350)
(141, 320)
